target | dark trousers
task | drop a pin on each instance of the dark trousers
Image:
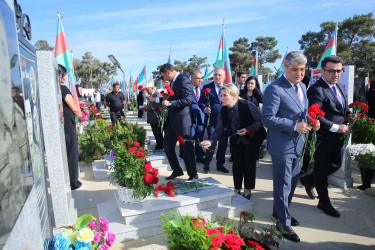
(244, 162)
(222, 148)
(115, 115)
(140, 113)
(327, 161)
(169, 143)
(98, 104)
(285, 178)
(72, 154)
(156, 130)
(197, 133)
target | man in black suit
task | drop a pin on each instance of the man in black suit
(140, 101)
(180, 122)
(330, 95)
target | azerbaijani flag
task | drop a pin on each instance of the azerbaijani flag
(169, 59)
(205, 72)
(252, 70)
(106, 85)
(63, 57)
(135, 85)
(142, 75)
(131, 83)
(222, 60)
(330, 49)
(280, 72)
(209, 75)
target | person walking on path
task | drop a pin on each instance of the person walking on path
(115, 101)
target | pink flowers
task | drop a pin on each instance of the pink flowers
(81, 104)
(83, 118)
(110, 238)
(92, 225)
(85, 112)
(97, 237)
(104, 224)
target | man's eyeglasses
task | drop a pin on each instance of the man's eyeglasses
(332, 71)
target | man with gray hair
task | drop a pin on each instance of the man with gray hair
(197, 130)
(284, 112)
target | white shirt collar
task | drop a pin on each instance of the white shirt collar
(292, 83)
(174, 78)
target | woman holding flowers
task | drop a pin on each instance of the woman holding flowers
(243, 121)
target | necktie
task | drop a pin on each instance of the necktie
(197, 93)
(298, 93)
(218, 94)
(338, 96)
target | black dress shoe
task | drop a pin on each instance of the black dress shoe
(174, 175)
(328, 209)
(247, 196)
(193, 177)
(294, 222)
(310, 192)
(206, 169)
(222, 169)
(200, 161)
(290, 234)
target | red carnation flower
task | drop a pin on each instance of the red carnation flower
(147, 167)
(321, 113)
(180, 139)
(132, 150)
(160, 187)
(172, 195)
(156, 194)
(149, 178)
(207, 90)
(159, 109)
(144, 89)
(140, 87)
(155, 179)
(312, 114)
(155, 171)
(126, 143)
(313, 121)
(139, 154)
(199, 223)
(218, 240)
(135, 144)
(250, 131)
(233, 241)
(100, 117)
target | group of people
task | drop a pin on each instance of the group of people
(232, 111)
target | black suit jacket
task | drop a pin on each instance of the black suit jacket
(322, 94)
(180, 111)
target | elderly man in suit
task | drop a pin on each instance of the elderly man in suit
(330, 95)
(284, 112)
(153, 104)
(197, 130)
(212, 113)
(180, 122)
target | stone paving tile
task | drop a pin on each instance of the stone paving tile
(355, 229)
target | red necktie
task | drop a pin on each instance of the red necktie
(197, 93)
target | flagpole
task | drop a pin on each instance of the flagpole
(337, 28)
(170, 54)
(223, 40)
(256, 62)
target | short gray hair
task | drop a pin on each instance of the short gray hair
(195, 73)
(295, 56)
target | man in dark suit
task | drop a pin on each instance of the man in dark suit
(197, 130)
(140, 101)
(284, 112)
(330, 95)
(180, 122)
(212, 113)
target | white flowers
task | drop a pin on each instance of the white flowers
(361, 149)
(85, 235)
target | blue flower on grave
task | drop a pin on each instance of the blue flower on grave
(82, 245)
(60, 242)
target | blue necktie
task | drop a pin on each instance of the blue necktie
(299, 96)
(338, 96)
(219, 95)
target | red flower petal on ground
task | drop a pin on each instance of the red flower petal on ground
(160, 187)
(148, 178)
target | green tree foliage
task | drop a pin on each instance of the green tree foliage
(266, 51)
(91, 72)
(355, 43)
(240, 58)
(43, 45)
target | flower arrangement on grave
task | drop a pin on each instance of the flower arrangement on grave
(132, 171)
(363, 130)
(310, 143)
(184, 232)
(357, 107)
(85, 234)
(161, 112)
(364, 154)
(84, 113)
(206, 92)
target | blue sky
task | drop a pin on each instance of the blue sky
(142, 31)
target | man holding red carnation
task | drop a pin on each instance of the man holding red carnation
(330, 95)
(180, 121)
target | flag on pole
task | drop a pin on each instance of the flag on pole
(222, 60)
(280, 72)
(131, 83)
(209, 75)
(169, 59)
(63, 57)
(330, 49)
(142, 76)
(252, 70)
(135, 85)
(205, 72)
(106, 85)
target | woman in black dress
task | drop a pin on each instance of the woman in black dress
(70, 110)
(243, 121)
(251, 91)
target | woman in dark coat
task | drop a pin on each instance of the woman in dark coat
(370, 96)
(70, 111)
(243, 121)
(251, 91)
